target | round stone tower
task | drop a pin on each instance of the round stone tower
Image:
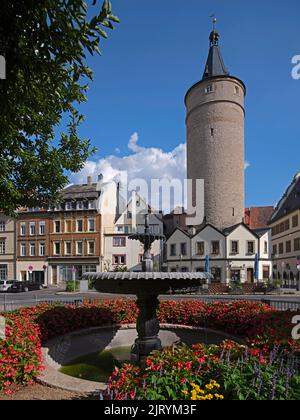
(215, 140)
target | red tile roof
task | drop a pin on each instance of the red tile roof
(258, 217)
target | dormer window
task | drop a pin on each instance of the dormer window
(79, 205)
(68, 205)
(92, 204)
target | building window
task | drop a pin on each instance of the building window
(79, 205)
(237, 90)
(79, 248)
(91, 248)
(295, 221)
(23, 250)
(92, 204)
(42, 249)
(57, 226)
(274, 250)
(209, 89)
(200, 248)
(250, 247)
(68, 226)
(281, 248)
(23, 229)
(79, 225)
(297, 244)
(119, 241)
(288, 247)
(173, 250)
(56, 248)
(2, 247)
(91, 224)
(69, 205)
(2, 226)
(266, 247)
(32, 249)
(183, 248)
(215, 247)
(234, 247)
(68, 248)
(3, 272)
(119, 259)
(32, 229)
(184, 270)
(212, 132)
(42, 228)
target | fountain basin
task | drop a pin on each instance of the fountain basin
(63, 351)
(151, 283)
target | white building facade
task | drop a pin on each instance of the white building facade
(233, 253)
(121, 252)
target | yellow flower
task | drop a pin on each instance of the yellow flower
(185, 392)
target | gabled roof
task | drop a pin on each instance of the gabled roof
(261, 232)
(180, 230)
(289, 202)
(80, 191)
(204, 226)
(231, 229)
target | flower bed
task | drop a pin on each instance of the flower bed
(20, 353)
(229, 371)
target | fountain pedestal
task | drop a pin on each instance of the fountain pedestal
(147, 329)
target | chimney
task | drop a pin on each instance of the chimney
(118, 200)
(89, 180)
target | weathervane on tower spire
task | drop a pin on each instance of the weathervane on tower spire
(214, 21)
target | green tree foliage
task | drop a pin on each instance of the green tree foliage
(45, 44)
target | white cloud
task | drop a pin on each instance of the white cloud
(145, 162)
(247, 165)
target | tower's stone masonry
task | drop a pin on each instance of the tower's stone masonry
(215, 147)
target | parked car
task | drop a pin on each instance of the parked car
(5, 285)
(25, 286)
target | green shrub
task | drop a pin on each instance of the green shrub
(72, 286)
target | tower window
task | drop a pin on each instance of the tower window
(209, 89)
(233, 211)
(237, 90)
(212, 132)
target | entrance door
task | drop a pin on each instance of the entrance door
(250, 275)
(266, 272)
(54, 275)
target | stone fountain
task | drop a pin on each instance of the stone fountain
(147, 286)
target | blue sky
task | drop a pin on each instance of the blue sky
(159, 50)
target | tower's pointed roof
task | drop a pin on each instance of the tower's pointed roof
(215, 65)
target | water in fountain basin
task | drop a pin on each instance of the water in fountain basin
(98, 366)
